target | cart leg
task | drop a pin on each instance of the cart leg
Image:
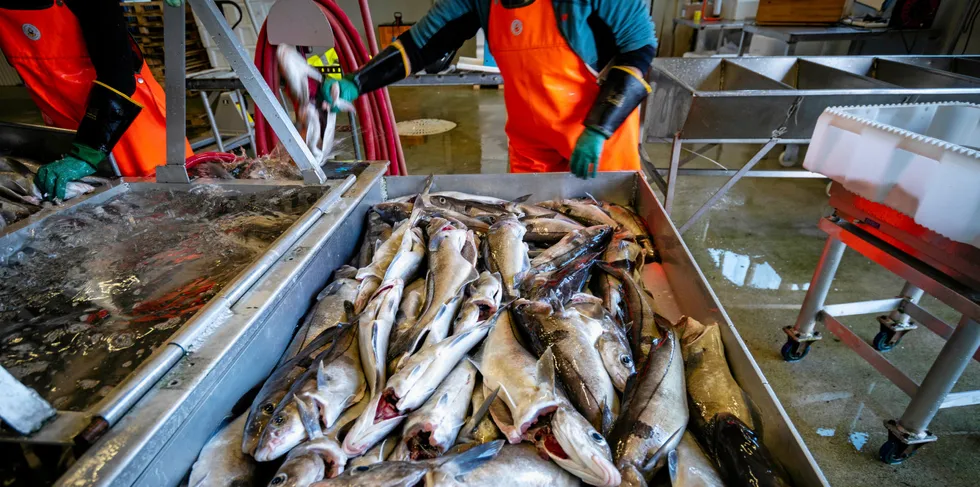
(896, 324)
(245, 119)
(906, 435)
(801, 335)
(675, 162)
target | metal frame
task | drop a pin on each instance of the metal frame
(909, 432)
(704, 25)
(453, 79)
(226, 39)
(791, 35)
(707, 101)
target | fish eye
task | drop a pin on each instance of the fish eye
(362, 468)
(278, 420)
(278, 479)
(626, 360)
(268, 408)
(598, 438)
(441, 199)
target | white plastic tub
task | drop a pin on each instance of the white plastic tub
(921, 160)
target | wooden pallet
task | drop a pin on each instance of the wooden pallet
(145, 22)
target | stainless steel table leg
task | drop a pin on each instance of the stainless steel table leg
(911, 431)
(802, 334)
(744, 43)
(675, 158)
(896, 324)
(214, 126)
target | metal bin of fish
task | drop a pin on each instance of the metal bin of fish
(536, 327)
(104, 295)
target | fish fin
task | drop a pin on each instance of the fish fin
(507, 397)
(474, 457)
(322, 381)
(379, 374)
(428, 185)
(328, 290)
(545, 369)
(522, 199)
(443, 400)
(594, 201)
(556, 301)
(474, 422)
(310, 416)
(350, 312)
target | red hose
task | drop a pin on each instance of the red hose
(203, 157)
(377, 121)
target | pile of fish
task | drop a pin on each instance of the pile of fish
(476, 339)
(20, 198)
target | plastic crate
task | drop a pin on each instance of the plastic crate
(920, 159)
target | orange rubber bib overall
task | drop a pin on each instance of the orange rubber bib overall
(48, 51)
(549, 91)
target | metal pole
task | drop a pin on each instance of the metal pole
(728, 185)
(355, 135)
(675, 156)
(942, 376)
(21, 407)
(175, 45)
(823, 277)
(214, 126)
(216, 25)
(248, 125)
(913, 294)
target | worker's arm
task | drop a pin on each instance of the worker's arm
(444, 28)
(110, 109)
(624, 86)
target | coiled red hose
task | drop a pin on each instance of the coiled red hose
(374, 113)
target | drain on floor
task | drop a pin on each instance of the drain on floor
(424, 126)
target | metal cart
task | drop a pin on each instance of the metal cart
(777, 100)
(929, 263)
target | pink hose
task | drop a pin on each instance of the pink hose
(377, 121)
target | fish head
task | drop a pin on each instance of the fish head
(258, 418)
(370, 428)
(299, 470)
(284, 431)
(578, 448)
(617, 358)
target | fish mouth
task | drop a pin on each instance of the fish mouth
(537, 417)
(423, 446)
(387, 406)
(487, 308)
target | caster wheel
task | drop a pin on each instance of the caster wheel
(880, 341)
(794, 351)
(788, 160)
(894, 452)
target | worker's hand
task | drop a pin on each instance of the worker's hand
(174, 3)
(52, 179)
(336, 95)
(588, 149)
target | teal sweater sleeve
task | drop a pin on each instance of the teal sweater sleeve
(447, 25)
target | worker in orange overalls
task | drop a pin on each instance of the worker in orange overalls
(86, 73)
(550, 54)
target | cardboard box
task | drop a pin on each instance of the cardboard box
(797, 12)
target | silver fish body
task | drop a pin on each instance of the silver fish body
(335, 382)
(690, 466)
(632, 223)
(377, 231)
(640, 312)
(479, 426)
(520, 465)
(431, 429)
(413, 298)
(327, 312)
(572, 337)
(377, 454)
(584, 244)
(410, 474)
(506, 253)
(482, 301)
(654, 414)
(613, 346)
(527, 385)
(221, 461)
(549, 230)
(409, 257)
(374, 329)
(586, 213)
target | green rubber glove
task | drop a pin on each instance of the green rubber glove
(52, 179)
(173, 3)
(347, 89)
(588, 149)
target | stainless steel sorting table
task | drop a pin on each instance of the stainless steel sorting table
(777, 100)
(158, 441)
(892, 246)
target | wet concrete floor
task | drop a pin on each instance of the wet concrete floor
(758, 248)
